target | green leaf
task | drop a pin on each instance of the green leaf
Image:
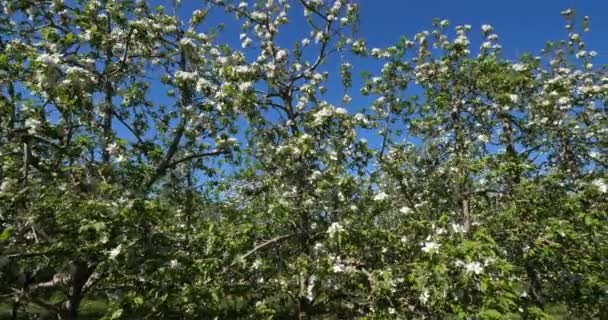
(490, 314)
(5, 234)
(116, 314)
(138, 301)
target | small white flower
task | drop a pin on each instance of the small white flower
(186, 42)
(33, 125)
(458, 228)
(486, 28)
(430, 246)
(380, 196)
(338, 267)
(514, 98)
(245, 86)
(305, 42)
(473, 267)
(319, 36)
(462, 40)
(483, 138)
(246, 42)
(50, 60)
(310, 295)
(185, 76)
(173, 264)
(6, 185)
(256, 264)
(341, 111)
(281, 55)
(115, 252)
(405, 210)
(519, 67)
(376, 52)
(424, 296)
(567, 12)
(601, 185)
(334, 229)
(112, 148)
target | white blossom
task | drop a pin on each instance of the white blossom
(6, 185)
(334, 229)
(424, 296)
(281, 55)
(405, 210)
(246, 42)
(338, 267)
(245, 86)
(346, 98)
(458, 228)
(430, 246)
(376, 52)
(50, 60)
(380, 196)
(601, 185)
(33, 125)
(473, 267)
(185, 76)
(309, 289)
(340, 111)
(115, 252)
(520, 67)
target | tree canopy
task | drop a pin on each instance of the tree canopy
(160, 167)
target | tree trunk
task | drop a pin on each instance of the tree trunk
(80, 276)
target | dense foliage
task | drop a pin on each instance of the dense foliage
(163, 167)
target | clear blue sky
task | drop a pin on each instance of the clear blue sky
(523, 25)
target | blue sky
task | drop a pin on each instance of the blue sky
(523, 25)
